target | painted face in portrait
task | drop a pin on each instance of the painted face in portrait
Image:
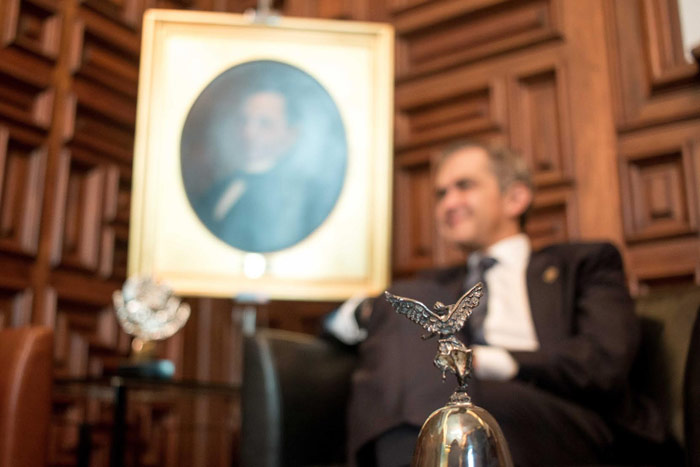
(267, 133)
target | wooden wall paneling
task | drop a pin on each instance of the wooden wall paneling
(107, 53)
(539, 120)
(211, 350)
(68, 414)
(81, 215)
(449, 106)
(397, 6)
(592, 137)
(414, 221)
(115, 234)
(232, 6)
(552, 218)
(87, 340)
(658, 263)
(126, 12)
(541, 130)
(153, 441)
(660, 195)
(105, 86)
(664, 47)
(651, 84)
(15, 307)
(329, 9)
(29, 40)
(26, 95)
(32, 25)
(104, 122)
(22, 167)
(436, 35)
(213, 330)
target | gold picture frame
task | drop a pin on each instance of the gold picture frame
(171, 239)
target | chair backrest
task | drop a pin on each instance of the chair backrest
(295, 392)
(25, 395)
(692, 398)
(668, 319)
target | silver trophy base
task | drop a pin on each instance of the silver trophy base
(461, 434)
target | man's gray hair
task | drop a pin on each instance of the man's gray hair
(506, 164)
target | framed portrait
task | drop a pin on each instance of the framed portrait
(262, 162)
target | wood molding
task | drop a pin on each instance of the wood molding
(104, 121)
(664, 45)
(33, 26)
(26, 95)
(126, 12)
(22, 178)
(434, 36)
(106, 53)
(92, 211)
(414, 235)
(15, 307)
(540, 124)
(430, 113)
(551, 218)
(681, 257)
(660, 191)
(651, 83)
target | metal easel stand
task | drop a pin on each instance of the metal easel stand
(245, 311)
(263, 14)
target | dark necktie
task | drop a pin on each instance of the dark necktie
(478, 316)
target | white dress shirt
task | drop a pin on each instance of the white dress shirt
(508, 324)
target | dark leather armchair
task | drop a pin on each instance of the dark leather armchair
(295, 394)
(669, 363)
(25, 395)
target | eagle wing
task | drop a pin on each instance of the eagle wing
(415, 311)
(464, 307)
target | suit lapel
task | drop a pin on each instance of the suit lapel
(545, 289)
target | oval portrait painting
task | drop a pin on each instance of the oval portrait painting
(263, 156)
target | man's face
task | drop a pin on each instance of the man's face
(471, 211)
(266, 131)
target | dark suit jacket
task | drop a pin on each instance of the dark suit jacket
(584, 320)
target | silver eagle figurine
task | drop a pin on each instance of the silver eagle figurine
(445, 321)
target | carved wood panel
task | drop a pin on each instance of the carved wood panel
(446, 107)
(25, 92)
(104, 121)
(15, 307)
(363, 10)
(413, 228)
(88, 339)
(22, 166)
(659, 193)
(660, 183)
(551, 218)
(540, 124)
(91, 215)
(106, 53)
(441, 34)
(657, 102)
(651, 78)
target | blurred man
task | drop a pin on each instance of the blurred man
(553, 343)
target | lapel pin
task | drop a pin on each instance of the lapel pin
(550, 274)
